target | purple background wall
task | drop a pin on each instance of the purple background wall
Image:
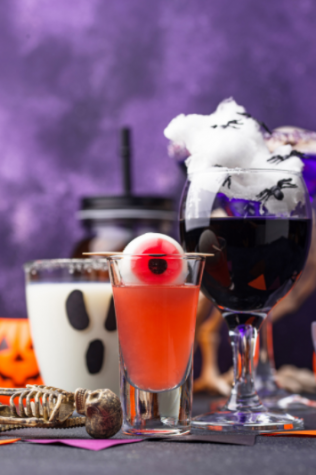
(73, 71)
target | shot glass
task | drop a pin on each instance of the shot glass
(156, 299)
(73, 324)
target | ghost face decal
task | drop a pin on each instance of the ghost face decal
(74, 334)
(79, 319)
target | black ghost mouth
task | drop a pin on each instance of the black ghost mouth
(95, 356)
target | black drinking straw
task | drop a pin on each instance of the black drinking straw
(126, 159)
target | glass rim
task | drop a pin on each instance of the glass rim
(245, 170)
(196, 257)
(62, 262)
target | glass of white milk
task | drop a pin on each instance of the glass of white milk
(73, 324)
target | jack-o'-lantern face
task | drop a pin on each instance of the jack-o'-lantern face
(18, 365)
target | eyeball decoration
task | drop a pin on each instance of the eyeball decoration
(152, 259)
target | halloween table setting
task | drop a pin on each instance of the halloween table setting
(100, 376)
(286, 454)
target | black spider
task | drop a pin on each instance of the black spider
(280, 158)
(276, 190)
(262, 124)
(228, 181)
(230, 123)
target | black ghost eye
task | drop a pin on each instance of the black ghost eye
(76, 310)
(95, 356)
(4, 345)
(110, 321)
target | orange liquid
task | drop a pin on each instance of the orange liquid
(156, 327)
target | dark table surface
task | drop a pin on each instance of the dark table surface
(269, 455)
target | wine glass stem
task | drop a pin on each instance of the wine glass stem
(243, 396)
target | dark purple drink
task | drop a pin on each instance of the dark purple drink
(256, 260)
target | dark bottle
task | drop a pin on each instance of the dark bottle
(111, 222)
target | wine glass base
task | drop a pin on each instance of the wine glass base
(254, 422)
(156, 432)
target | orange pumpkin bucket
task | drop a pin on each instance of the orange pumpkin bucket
(18, 365)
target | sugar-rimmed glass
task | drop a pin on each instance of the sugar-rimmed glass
(156, 323)
(73, 326)
(263, 217)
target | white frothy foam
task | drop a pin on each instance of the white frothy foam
(232, 139)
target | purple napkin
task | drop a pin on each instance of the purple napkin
(100, 444)
(89, 444)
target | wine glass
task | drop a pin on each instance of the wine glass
(257, 223)
(270, 393)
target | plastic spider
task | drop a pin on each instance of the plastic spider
(230, 123)
(276, 190)
(281, 158)
(227, 181)
(262, 124)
